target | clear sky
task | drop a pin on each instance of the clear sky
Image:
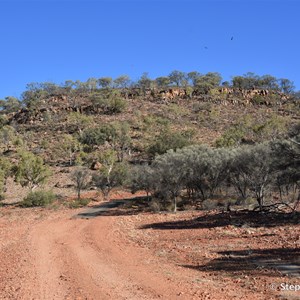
(61, 40)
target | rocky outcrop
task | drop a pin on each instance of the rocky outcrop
(56, 105)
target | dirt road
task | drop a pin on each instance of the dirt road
(65, 258)
(47, 254)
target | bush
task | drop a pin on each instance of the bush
(79, 203)
(167, 140)
(98, 135)
(116, 105)
(155, 206)
(38, 198)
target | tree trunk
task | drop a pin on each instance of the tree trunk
(260, 198)
(175, 204)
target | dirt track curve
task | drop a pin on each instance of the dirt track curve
(50, 255)
(72, 258)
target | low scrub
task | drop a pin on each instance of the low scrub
(38, 198)
(79, 203)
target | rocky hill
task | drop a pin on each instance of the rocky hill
(203, 117)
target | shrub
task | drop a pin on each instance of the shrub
(116, 105)
(38, 198)
(31, 170)
(98, 135)
(155, 206)
(167, 140)
(79, 203)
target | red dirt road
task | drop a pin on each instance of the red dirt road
(82, 259)
(64, 258)
(47, 254)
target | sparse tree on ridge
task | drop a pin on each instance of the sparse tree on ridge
(177, 77)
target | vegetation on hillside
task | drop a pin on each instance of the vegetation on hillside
(185, 138)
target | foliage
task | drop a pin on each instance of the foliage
(77, 203)
(38, 198)
(269, 82)
(167, 140)
(9, 136)
(253, 169)
(81, 178)
(193, 77)
(80, 121)
(2, 184)
(98, 135)
(109, 101)
(34, 95)
(122, 81)
(111, 174)
(105, 82)
(116, 105)
(10, 104)
(145, 82)
(250, 130)
(68, 147)
(162, 81)
(206, 82)
(122, 141)
(31, 170)
(232, 137)
(3, 120)
(5, 172)
(142, 179)
(178, 78)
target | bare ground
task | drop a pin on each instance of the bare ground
(48, 254)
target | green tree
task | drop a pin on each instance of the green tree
(10, 104)
(105, 82)
(193, 77)
(81, 178)
(121, 142)
(5, 172)
(208, 81)
(122, 81)
(145, 82)
(287, 86)
(31, 170)
(269, 82)
(253, 169)
(167, 140)
(92, 84)
(80, 121)
(34, 95)
(8, 136)
(111, 173)
(69, 146)
(168, 169)
(177, 77)
(142, 178)
(99, 135)
(162, 82)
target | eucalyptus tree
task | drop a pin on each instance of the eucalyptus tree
(253, 171)
(122, 81)
(105, 82)
(177, 77)
(162, 82)
(169, 170)
(193, 77)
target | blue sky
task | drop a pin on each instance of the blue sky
(61, 40)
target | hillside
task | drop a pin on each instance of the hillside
(202, 117)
